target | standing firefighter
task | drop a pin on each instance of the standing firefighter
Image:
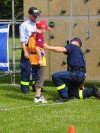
(25, 30)
(74, 77)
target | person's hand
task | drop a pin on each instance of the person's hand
(45, 46)
(40, 62)
(26, 54)
(82, 87)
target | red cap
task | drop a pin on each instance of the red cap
(42, 24)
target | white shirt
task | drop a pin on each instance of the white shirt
(26, 29)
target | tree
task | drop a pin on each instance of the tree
(6, 10)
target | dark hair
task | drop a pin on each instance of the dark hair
(78, 40)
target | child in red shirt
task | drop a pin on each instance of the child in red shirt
(38, 59)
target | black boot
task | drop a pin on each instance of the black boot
(96, 92)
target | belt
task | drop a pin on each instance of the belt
(42, 54)
(33, 52)
(73, 69)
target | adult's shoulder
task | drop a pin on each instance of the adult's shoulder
(68, 45)
(26, 22)
(23, 24)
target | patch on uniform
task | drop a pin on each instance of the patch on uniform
(39, 40)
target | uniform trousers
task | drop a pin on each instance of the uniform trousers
(68, 83)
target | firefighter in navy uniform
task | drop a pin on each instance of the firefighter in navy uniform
(26, 29)
(74, 77)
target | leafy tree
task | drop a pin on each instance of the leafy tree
(6, 8)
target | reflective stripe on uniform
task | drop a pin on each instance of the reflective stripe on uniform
(33, 82)
(61, 87)
(81, 94)
(24, 83)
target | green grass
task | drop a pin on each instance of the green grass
(19, 114)
(17, 51)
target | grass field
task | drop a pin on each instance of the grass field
(19, 114)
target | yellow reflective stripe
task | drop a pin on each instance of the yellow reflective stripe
(24, 83)
(81, 94)
(33, 82)
(61, 87)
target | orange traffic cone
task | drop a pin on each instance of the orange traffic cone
(71, 129)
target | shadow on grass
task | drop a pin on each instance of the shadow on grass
(48, 83)
(10, 88)
(13, 92)
(52, 95)
(90, 84)
(7, 78)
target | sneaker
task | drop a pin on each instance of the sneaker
(34, 90)
(40, 99)
(96, 92)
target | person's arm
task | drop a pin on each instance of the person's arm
(58, 49)
(22, 40)
(38, 51)
(25, 49)
(42, 51)
(82, 86)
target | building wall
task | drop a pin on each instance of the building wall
(67, 27)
